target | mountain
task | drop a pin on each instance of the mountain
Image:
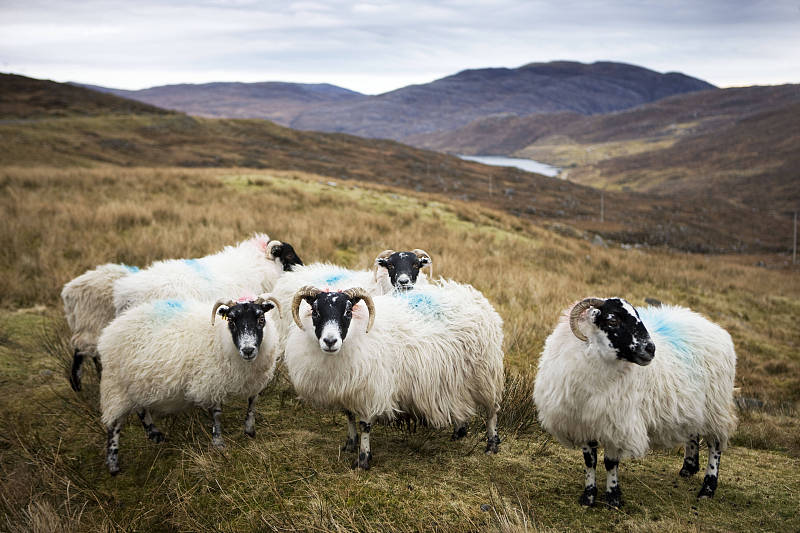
(276, 101)
(441, 105)
(741, 143)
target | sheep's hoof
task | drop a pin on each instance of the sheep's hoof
(614, 498)
(350, 446)
(363, 461)
(156, 436)
(688, 469)
(459, 432)
(588, 497)
(492, 445)
(218, 442)
(113, 467)
(709, 487)
(250, 432)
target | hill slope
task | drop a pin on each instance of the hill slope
(739, 143)
(276, 101)
(180, 140)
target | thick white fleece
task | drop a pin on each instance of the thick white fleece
(89, 304)
(434, 352)
(244, 269)
(687, 389)
(165, 355)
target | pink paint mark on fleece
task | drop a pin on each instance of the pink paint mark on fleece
(261, 241)
(246, 298)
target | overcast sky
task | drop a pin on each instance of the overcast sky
(377, 46)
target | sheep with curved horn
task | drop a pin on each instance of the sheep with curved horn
(633, 379)
(433, 353)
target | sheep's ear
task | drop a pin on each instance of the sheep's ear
(223, 311)
(382, 262)
(424, 260)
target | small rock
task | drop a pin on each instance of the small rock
(485, 507)
(46, 373)
(332, 183)
(598, 241)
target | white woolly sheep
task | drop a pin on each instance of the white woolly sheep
(163, 356)
(88, 308)
(251, 267)
(391, 271)
(678, 389)
(434, 353)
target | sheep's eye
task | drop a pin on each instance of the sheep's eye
(389, 266)
(314, 314)
(613, 322)
(261, 321)
(231, 324)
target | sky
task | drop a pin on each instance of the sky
(377, 46)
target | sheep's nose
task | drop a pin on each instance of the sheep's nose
(650, 348)
(329, 341)
(248, 351)
(403, 280)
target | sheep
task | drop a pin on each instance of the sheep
(678, 389)
(391, 271)
(88, 308)
(251, 267)
(434, 353)
(163, 356)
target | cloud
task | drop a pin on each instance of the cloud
(374, 46)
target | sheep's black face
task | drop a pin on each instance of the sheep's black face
(331, 313)
(246, 323)
(403, 269)
(626, 334)
(285, 252)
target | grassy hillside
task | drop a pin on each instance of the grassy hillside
(292, 476)
(739, 143)
(179, 140)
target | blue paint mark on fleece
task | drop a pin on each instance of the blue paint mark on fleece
(333, 278)
(131, 268)
(198, 267)
(657, 321)
(167, 308)
(420, 302)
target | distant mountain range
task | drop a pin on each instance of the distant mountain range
(441, 105)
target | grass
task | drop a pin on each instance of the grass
(59, 222)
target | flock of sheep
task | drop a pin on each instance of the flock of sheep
(391, 342)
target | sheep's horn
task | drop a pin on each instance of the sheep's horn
(217, 305)
(303, 294)
(576, 312)
(271, 245)
(422, 253)
(384, 254)
(358, 292)
(268, 298)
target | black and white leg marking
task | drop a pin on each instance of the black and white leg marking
(712, 471)
(459, 431)
(216, 428)
(250, 419)
(351, 444)
(147, 423)
(613, 492)
(76, 371)
(364, 453)
(112, 446)
(492, 438)
(590, 487)
(691, 457)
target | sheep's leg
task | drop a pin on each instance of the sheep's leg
(590, 460)
(112, 446)
(77, 370)
(250, 419)
(492, 438)
(351, 445)
(613, 492)
(216, 428)
(712, 471)
(691, 457)
(147, 423)
(364, 453)
(459, 431)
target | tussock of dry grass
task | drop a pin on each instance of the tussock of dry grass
(59, 223)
